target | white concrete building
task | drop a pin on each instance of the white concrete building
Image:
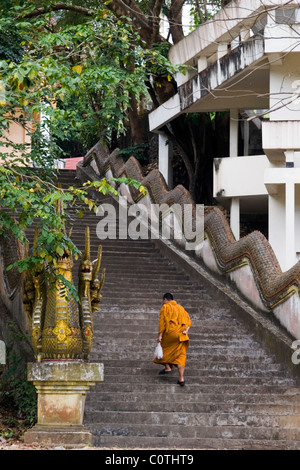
(246, 60)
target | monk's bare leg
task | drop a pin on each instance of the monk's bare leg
(181, 373)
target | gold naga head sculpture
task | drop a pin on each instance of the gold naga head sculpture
(61, 327)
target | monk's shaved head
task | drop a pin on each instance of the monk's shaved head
(168, 296)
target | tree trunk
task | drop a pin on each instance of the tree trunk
(174, 16)
(138, 135)
(196, 138)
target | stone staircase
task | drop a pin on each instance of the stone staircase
(237, 395)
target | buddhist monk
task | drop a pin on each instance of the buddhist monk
(174, 324)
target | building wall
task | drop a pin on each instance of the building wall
(16, 134)
(284, 88)
(240, 176)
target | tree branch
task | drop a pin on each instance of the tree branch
(156, 10)
(139, 20)
(56, 7)
(174, 16)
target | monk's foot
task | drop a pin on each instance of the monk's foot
(181, 383)
(165, 371)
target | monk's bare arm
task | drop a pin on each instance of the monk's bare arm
(161, 325)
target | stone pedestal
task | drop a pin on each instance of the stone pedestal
(61, 388)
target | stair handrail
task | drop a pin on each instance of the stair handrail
(273, 284)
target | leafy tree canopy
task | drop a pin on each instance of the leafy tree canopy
(74, 71)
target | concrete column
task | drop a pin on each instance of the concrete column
(271, 17)
(277, 223)
(246, 138)
(234, 132)
(245, 34)
(222, 49)
(289, 158)
(290, 251)
(165, 154)
(202, 63)
(235, 217)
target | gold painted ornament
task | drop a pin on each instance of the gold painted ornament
(61, 327)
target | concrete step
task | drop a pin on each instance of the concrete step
(159, 385)
(193, 421)
(124, 355)
(262, 410)
(222, 339)
(194, 433)
(243, 369)
(135, 342)
(185, 444)
(98, 397)
(197, 379)
(151, 313)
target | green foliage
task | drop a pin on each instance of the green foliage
(132, 182)
(16, 392)
(140, 152)
(10, 46)
(80, 76)
(202, 11)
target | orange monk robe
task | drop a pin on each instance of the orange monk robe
(173, 320)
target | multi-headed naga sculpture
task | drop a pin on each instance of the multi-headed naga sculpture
(61, 327)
